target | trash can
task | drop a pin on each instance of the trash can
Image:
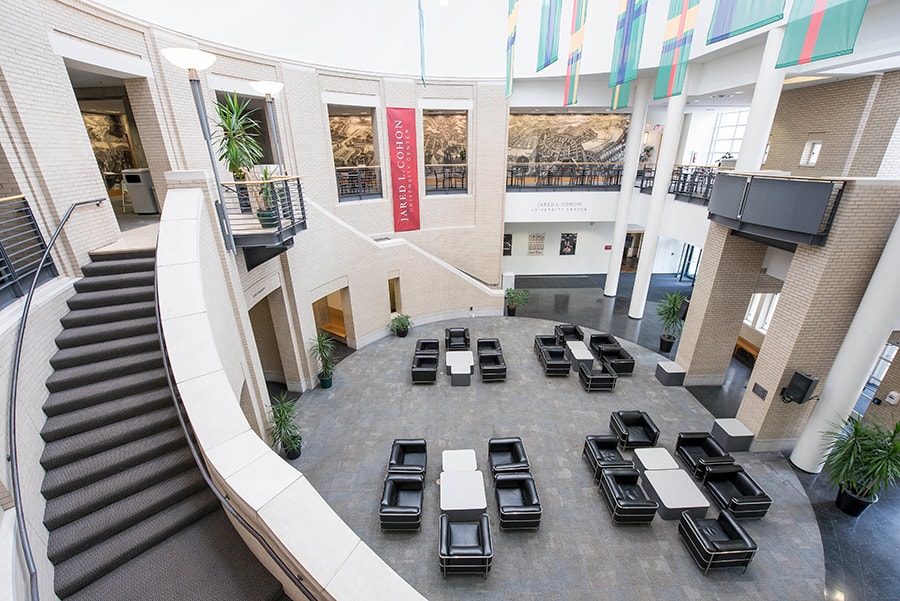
(140, 191)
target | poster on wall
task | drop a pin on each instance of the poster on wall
(404, 168)
(507, 245)
(567, 244)
(535, 245)
(109, 139)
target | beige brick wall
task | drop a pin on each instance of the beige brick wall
(879, 127)
(818, 301)
(727, 278)
(886, 414)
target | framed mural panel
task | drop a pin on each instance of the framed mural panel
(535, 245)
(567, 244)
(593, 138)
(109, 140)
(507, 245)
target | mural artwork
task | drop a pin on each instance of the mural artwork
(597, 138)
(444, 137)
(351, 140)
(567, 244)
(109, 140)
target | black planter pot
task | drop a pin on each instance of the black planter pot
(665, 343)
(292, 453)
(325, 381)
(510, 310)
(267, 218)
(853, 504)
(402, 333)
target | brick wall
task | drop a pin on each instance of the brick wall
(879, 127)
(886, 414)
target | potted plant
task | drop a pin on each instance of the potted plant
(235, 134)
(267, 200)
(863, 460)
(669, 312)
(283, 428)
(322, 352)
(400, 323)
(514, 298)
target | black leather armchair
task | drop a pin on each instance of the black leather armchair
(603, 343)
(553, 358)
(566, 331)
(600, 453)
(456, 339)
(542, 341)
(718, 543)
(492, 367)
(424, 368)
(700, 450)
(601, 377)
(733, 489)
(623, 495)
(408, 456)
(465, 547)
(488, 345)
(620, 361)
(517, 501)
(401, 502)
(633, 429)
(507, 455)
(428, 346)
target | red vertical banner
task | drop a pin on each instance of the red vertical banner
(404, 168)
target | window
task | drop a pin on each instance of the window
(751, 310)
(760, 311)
(445, 141)
(728, 135)
(257, 108)
(810, 153)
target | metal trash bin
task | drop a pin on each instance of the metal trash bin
(140, 191)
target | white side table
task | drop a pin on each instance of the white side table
(732, 434)
(655, 458)
(577, 353)
(462, 495)
(675, 492)
(458, 460)
(460, 367)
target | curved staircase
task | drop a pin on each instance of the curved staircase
(128, 513)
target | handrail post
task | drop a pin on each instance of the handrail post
(13, 457)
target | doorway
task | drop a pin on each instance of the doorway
(690, 261)
(631, 254)
(329, 314)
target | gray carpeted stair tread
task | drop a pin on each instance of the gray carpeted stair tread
(94, 416)
(225, 570)
(71, 476)
(89, 353)
(103, 332)
(90, 373)
(114, 281)
(110, 266)
(82, 569)
(98, 440)
(118, 255)
(106, 314)
(71, 506)
(75, 537)
(106, 298)
(100, 392)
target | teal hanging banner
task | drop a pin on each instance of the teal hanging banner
(548, 46)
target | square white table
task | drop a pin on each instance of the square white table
(458, 460)
(577, 353)
(675, 492)
(462, 495)
(655, 458)
(460, 367)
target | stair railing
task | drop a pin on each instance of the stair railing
(12, 455)
(295, 579)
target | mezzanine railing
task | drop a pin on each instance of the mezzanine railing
(264, 212)
(356, 183)
(21, 248)
(563, 175)
(446, 179)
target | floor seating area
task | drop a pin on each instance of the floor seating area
(490, 360)
(717, 543)
(633, 429)
(548, 414)
(459, 359)
(699, 450)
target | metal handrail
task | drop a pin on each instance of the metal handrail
(295, 579)
(12, 456)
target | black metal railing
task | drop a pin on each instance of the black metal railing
(295, 578)
(563, 175)
(446, 179)
(264, 212)
(13, 455)
(646, 175)
(692, 183)
(356, 183)
(21, 248)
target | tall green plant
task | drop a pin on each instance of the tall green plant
(517, 297)
(283, 429)
(322, 351)
(863, 458)
(236, 135)
(668, 310)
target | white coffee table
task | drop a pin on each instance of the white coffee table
(462, 495)
(458, 460)
(577, 353)
(460, 367)
(655, 458)
(675, 492)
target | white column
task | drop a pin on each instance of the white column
(641, 89)
(877, 316)
(769, 82)
(665, 161)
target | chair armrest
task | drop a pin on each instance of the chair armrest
(486, 535)
(521, 508)
(735, 531)
(399, 510)
(636, 503)
(445, 535)
(690, 438)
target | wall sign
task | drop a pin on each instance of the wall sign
(404, 168)
(535, 245)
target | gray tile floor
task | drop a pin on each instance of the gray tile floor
(578, 553)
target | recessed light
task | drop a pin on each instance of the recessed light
(739, 92)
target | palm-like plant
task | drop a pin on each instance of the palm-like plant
(323, 352)
(283, 430)
(668, 311)
(863, 458)
(236, 135)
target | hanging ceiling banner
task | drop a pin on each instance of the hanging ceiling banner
(404, 168)
(548, 45)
